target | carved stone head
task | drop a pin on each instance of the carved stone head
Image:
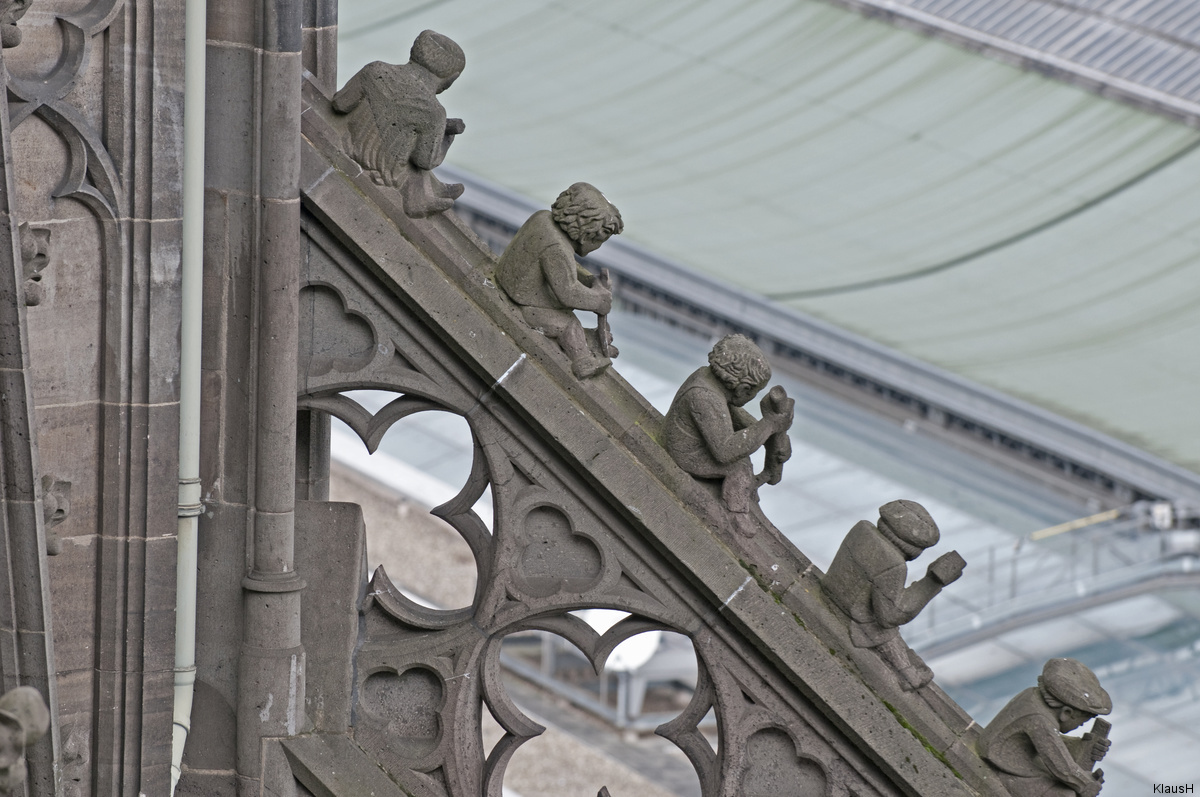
(908, 526)
(440, 55)
(11, 12)
(586, 217)
(1073, 691)
(740, 366)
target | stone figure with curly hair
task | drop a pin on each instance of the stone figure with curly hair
(539, 273)
(397, 129)
(711, 436)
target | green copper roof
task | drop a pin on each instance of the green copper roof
(1013, 229)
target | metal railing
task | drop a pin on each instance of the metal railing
(1007, 587)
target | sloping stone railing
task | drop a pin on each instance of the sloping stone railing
(590, 512)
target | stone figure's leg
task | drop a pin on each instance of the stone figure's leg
(739, 484)
(1034, 787)
(564, 327)
(912, 672)
(421, 197)
(736, 492)
(574, 343)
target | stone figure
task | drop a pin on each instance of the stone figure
(10, 14)
(24, 719)
(35, 247)
(711, 436)
(539, 273)
(397, 129)
(1026, 744)
(867, 577)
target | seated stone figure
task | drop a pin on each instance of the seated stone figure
(539, 273)
(866, 581)
(397, 129)
(711, 436)
(1025, 742)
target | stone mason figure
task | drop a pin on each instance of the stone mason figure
(867, 577)
(539, 273)
(711, 436)
(397, 128)
(1025, 742)
(24, 719)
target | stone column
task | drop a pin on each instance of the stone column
(26, 640)
(271, 664)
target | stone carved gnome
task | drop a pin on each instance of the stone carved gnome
(1026, 744)
(539, 273)
(397, 129)
(24, 719)
(709, 434)
(867, 581)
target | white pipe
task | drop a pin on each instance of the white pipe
(192, 283)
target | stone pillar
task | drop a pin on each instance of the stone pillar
(271, 666)
(250, 661)
(26, 639)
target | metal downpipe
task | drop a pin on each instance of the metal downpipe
(192, 271)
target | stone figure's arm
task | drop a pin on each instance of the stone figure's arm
(583, 275)
(562, 277)
(349, 96)
(430, 147)
(741, 418)
(893, 604)
(1051, 747)
(716, 425)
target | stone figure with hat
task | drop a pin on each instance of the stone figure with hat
(24, 718)
(1026, 744)
(397, 129)
(539, 273)
(711, 436)
(867, 581)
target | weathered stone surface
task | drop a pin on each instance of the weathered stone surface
(539, 273)
(24, 719)
(559, 457)
(1026, 743)
(397, 129)
(867, 581)
(709, 434)
(331, 552)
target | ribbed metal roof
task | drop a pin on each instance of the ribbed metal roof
(1016, 230)
(1143, 51)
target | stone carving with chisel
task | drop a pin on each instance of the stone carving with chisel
(539, 273)
(709, 434)
(867, 577)
(1026, 742)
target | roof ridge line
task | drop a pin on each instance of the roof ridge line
(1099, 82)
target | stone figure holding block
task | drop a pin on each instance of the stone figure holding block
(1026, 744)
(711, 436)
(539, 273)
(867, 581)
(398, 130)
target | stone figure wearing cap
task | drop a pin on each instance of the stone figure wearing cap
(539, 273)
(867, 581)
(1026, 744)
(709, 434)
(397, 129)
